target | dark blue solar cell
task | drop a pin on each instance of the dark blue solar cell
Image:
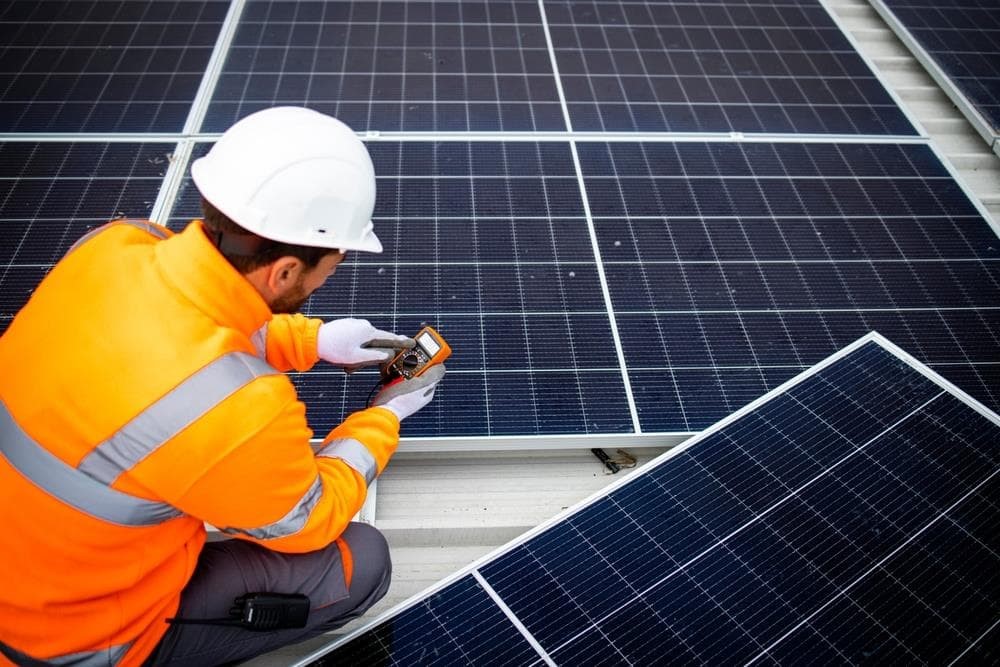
(620, 641)
(460, 623)
(924, 632)
(633, 71)
(831, 636)
(680, 534)
(51, 194)
(944, 551)
(539, 601)
(697, 620)
(728, 580)
(772, 256)
(556, 403)
(104, 67)
(395, 66)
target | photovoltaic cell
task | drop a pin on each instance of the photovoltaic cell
(461, 626)
(733, 266)
(382, 66)
(846, 518)
(732, 66)
(103, 66)
(963, 38)
(488, 243)
(53, 193)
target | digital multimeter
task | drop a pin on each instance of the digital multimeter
(430, 349)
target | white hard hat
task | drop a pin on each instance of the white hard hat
(293, 175)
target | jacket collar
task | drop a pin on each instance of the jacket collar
(209, 281)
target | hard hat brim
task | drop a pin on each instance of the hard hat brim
(369, 243)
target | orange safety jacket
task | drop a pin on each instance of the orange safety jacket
(142, 394)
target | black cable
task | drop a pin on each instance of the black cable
(371, 394)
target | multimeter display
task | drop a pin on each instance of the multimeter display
(426, 341)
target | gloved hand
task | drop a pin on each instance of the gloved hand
(354, 344)
(406, 397)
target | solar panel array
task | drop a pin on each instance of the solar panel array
(102, 67)
(626, 217)
(962, 38)
(416, 66)
(715, 67)
(454, 66)
(733, 266)
(848, 517)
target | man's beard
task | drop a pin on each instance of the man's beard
(293, 301)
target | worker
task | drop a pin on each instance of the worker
(143, 395)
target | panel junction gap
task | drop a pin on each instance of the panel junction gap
(590, 227)
(513, 618)
(207, 88)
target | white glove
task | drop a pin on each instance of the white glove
(353, 344)
(406, 397)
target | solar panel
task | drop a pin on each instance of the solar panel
(53, 193)
(102, 65)
(960, 43)
(414, 66)
(733, 266)
(712, 279)
(848, 516)
(730, 267)
(488, 243)
(732, 66)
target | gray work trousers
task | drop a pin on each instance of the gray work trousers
(231, 568)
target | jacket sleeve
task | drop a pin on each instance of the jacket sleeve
(290, 342)
(271, 487)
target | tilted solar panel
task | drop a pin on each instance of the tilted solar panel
(961, 40)
(847, 517)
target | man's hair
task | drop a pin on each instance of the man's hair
(263, 251)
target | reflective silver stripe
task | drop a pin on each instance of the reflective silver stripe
(354, 454)
(259, 340)
(70, 485)
(289, 524)
(144, 225)
(171, 414)
(103, 658)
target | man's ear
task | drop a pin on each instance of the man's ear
(283, 274)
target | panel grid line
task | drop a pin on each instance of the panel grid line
(975, 643)
(875, 567)
(513, 618)
(616, 336)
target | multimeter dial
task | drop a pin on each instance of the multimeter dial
(410, 362)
